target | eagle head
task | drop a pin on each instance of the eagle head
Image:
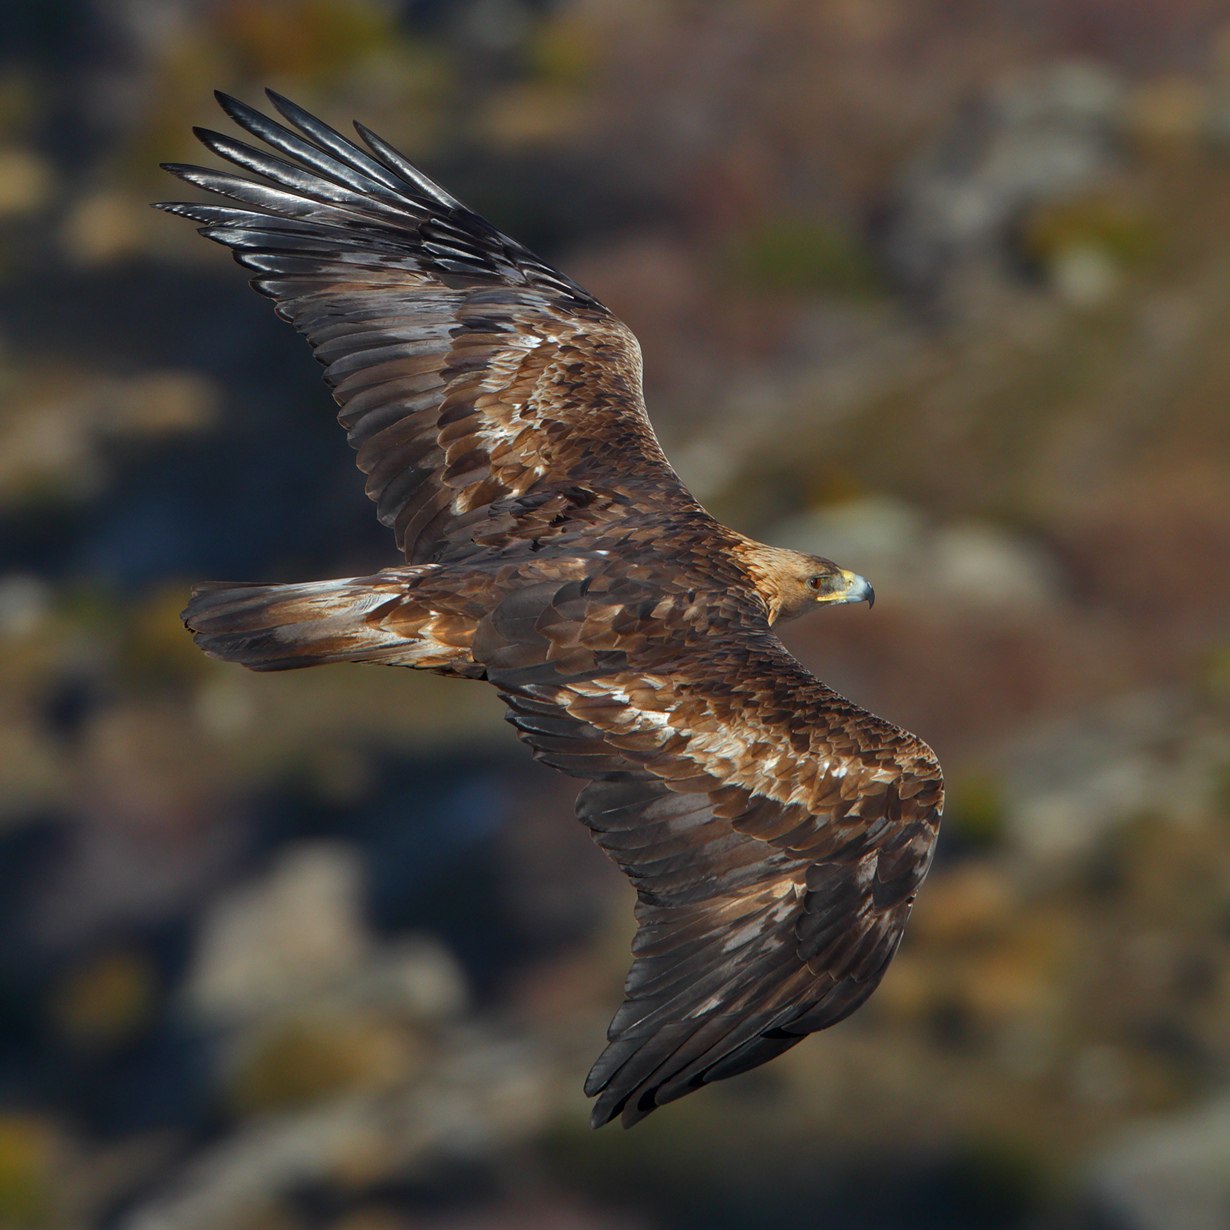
(793, 583)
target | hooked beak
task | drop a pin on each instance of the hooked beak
(845, 587)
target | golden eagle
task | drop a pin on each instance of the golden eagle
(776, 834)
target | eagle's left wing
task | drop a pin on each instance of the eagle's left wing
(776, 835)
(489, 397)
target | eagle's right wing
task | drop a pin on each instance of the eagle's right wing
(485, 392)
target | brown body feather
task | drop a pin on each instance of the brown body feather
(776, 833)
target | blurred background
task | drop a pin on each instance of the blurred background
(938, 289)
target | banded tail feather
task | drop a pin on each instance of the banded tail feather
(353, 619)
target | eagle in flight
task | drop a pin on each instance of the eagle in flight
(776, 834)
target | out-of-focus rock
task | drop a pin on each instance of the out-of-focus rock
(50, 447)
(299, 934)
(1016, 983)
(486, 1093)
(24, 604)
(541, 1210)
(1041, 136)
(983, 565)
(1217, 125)
(26, 182)
(1073, 782)
(1084, 276)
(872, 535)
(893, 545)
(103, 227)
(1085, 243)
(417, 979)
(250, 1168)
(224, 708)
(1100, 1076)
(284, 937)
(1170, 1175)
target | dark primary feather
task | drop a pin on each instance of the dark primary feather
(775, 833)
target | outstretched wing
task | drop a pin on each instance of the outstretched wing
(776, 834)
(482, 389)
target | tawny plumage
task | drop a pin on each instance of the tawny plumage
(776, 834)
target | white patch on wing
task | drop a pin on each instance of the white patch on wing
(501, 423)
(758, 926)
(714, 1001)
(638, 718)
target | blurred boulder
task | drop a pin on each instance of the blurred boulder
(892, 544)
(1170, 1175)
(26, 182)
(970, 902)
(1084, 276)
(416, 979)
(1040, 136)
(873, 535)
(1085, 243)
(981, 565)
(284, 937)
(481, 1095)
(162, 404)
(25, 602)
(300, 934)
(1071, 783)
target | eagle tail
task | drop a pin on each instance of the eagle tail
(284, 627)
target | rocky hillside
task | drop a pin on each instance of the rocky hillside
(939, 290)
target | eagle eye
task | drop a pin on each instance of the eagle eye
(815, 582)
